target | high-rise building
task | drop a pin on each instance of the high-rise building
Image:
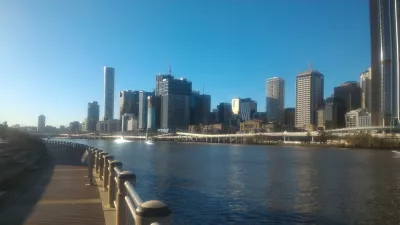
(175, 112)
(153, 112)
(129, 103)
(385, 56)
(309, 98)
(349, 95)
(41, 123)
(365, 84)
(289, 119)
(224, 112)
(93, 115)
(200, 107)
(109, 76)
(275, 99)
(175, 101)
(142, 119)
(245, 108)
(167, 84)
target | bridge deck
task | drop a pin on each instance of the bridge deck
(56, 194)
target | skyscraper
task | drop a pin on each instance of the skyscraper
(200, 107)
(384, 30)
(142, 119)
(275, 99)
(41, 123)
(365, 83)
(175, 111)
(175, 101)
(153, 112)
(129, 103)
(109, 73)
(349, 95)
(289, 119)
(309, 98)
(224, 112)
(93, 115)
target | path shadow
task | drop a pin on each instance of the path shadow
(24, 191)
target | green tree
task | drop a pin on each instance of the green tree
(322, 136)
(308, 138)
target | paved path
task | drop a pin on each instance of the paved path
(57, 194)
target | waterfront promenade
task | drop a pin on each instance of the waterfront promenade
(60, 191)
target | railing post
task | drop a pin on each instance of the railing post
(153, 211)
(101, 161)
(121, 204)
(90, 165)
(97, 161)
(111, 186)
(106, 173)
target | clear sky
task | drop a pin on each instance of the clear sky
(52, 53)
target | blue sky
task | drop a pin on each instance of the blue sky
(52, 53)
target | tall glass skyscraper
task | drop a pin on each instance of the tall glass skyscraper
(109, 93)
(275, 103)
(384, 28)
(92, 116)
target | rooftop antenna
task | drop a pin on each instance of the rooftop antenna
(309, 67)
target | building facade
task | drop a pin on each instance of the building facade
(358, 118)
(74, 127)
(224, 112)
(385, 56)
(290, 119)
(365, 84)
(349, 95)
(245, 108)
(93, 116)
(109, 76)
(41, 123)
(143, 98)
(333, 107)
(175, 113)
(129, 103)
(153, 112)
(309, 98)
(320, 119)
(124, 121)
(108, 126)
(175, 101)
(200, 107)
(275, 99)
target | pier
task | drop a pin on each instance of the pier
(82, 185)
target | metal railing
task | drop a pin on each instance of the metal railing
(120, 185)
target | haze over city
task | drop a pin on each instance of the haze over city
(53, 54)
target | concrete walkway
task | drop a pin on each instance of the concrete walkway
(55, 194)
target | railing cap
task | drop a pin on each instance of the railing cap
(107, 157)
(153, 208)
(115, 163)
(126, 175)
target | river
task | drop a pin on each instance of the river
(243, 184)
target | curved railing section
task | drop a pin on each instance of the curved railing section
(120, 185)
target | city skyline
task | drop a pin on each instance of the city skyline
(242, 61)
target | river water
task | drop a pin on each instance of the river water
(241, 184)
